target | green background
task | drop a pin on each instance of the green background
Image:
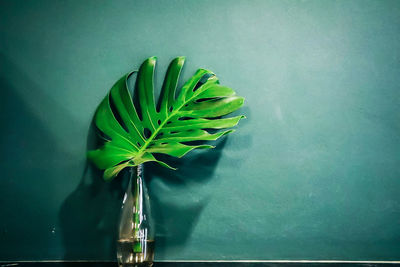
(312, 173)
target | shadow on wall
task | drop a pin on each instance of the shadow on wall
(175, 222)
(89, 215)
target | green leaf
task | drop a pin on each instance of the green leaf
(135, 134)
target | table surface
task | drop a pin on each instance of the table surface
(198, 264)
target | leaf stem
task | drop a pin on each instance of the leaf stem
(137, 245)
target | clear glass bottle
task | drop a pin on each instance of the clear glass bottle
(135, 244)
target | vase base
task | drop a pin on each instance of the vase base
(135, 253)
(143, 264)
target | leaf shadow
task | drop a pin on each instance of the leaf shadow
(175, 222)
(89, 215)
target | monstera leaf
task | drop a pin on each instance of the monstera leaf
(136, 133)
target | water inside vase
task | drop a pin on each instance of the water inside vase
(135, 253)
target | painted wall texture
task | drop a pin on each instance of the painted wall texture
(312, 173)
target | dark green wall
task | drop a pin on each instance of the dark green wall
(312, 173)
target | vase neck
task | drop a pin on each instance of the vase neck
(135, 178)
(138, 191)
(136, 171)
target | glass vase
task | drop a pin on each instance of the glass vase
(135, 244)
